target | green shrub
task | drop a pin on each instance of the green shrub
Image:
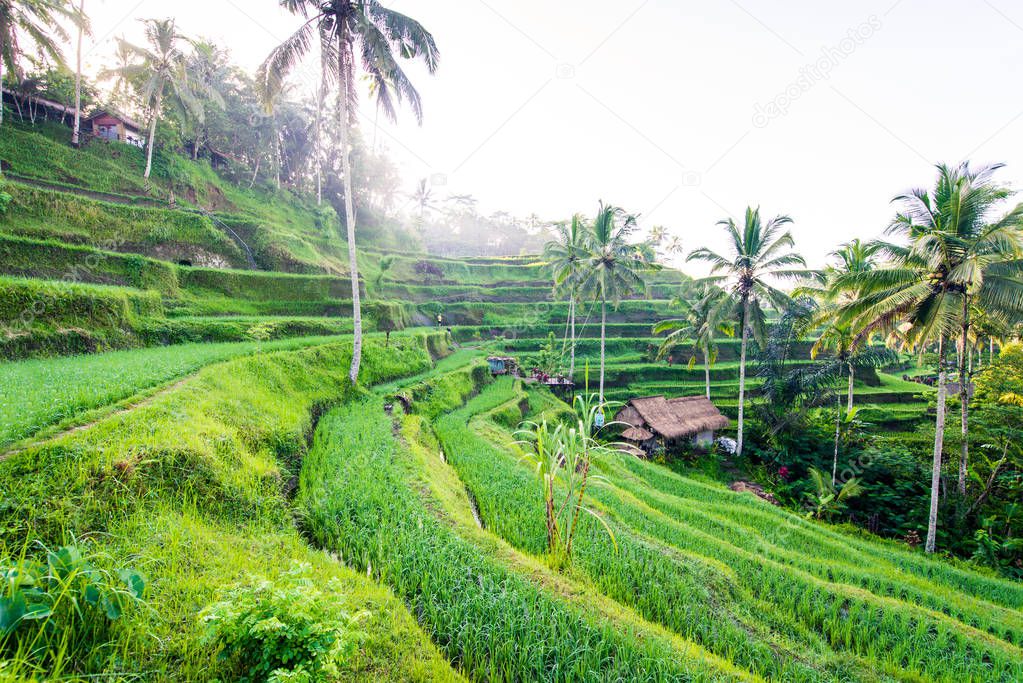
(5, 199)
(59, 610)
(26, 303)
(51, 260)
(288, 629)
(163, 233)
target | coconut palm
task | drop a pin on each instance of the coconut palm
(955, 254)
(209, 72)
(350, 33)
(759, 253)
(706, 312)
(611, 268)
(565, 255)
(33, 22)
(157, 70)
(83, 28)
(839, 336)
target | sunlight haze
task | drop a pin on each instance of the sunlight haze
(545, 108)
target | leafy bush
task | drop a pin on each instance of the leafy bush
(5, 199)
(60, 609)
(287, 629)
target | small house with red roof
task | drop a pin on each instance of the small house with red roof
(113, 126)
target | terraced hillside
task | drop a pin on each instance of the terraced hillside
(434, 532)
(175, 411)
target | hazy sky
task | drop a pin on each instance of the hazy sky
(682, 111)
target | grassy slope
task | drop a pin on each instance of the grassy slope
(283, 228)
(190, 489)
(67, 391)
(826, 604)
(392, 506)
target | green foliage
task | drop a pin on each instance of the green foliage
(50, 260)
(827, 500)
(5, 198)
(261, 286)
(361, 496)
(561, 456)
(156, 232)
(61, 608)
(194, 481)
(548, 359)
(66, 390)
(288, 629)
(444, 392)
(742, 572)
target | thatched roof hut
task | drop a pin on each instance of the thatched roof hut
(637, 434)
(673, 418)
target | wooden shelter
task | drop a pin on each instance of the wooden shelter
(503, 365)
(113, 126)
(671, 419)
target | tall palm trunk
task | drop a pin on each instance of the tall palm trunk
(571, 319)
(742, 374)
(75, 135)
(838, 433)
(939, 443)
(964, 400)
(706, 369)
(152, 131)
(319, 153)
(346, 168)
(603, 324)
(849, 396)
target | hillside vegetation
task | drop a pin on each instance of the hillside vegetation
(198, 493)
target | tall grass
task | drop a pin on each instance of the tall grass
(359, 492)
(65, 388)
(191, 489)
(765, 591)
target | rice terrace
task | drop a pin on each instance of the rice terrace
(373, 340)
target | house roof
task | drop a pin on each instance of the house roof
(630, 415)
(43, 101)
(113, 113)
(637, 434)
(675, 417)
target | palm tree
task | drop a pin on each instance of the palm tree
(612, 267)
(955, 255)
(565, 255)
(83, 27)
(350, 32)
(423, 198)
(702, 321)
(208, 71)
(838, 336)
(759, 253)
(657, 235)
(121, 91)
(38, 22)
(160, 72)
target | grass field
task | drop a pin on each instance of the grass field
(190, 488)
(232, 450)
(777, 595)
(63, 389)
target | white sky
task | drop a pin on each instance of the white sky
(547, 107)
